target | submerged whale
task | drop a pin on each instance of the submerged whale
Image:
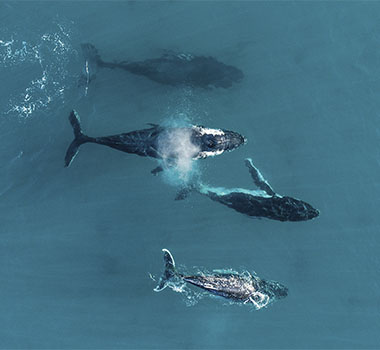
(172, 69)
(160, 142)
(264, 202)
(236, 287)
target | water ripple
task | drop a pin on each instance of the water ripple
(48, 57)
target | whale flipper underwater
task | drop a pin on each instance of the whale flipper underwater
(237, 287)
(160, 142)
(262, 203)
(173, 69)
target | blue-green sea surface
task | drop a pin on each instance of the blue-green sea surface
(78, 244)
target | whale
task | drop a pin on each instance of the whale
(261, 203)
(244, 288)
(171, 68)
(159, 142)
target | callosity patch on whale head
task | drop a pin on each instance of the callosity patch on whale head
(208, 131)
(213, 142)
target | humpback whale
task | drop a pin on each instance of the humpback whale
(264, 202)
(159, 142)
(236, 287)
(172, 69)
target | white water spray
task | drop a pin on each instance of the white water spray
(178, 152)
(48, 56)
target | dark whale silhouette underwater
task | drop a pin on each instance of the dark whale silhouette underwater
(160, 142)
(170, 69)
(237, 287)
(262, 203)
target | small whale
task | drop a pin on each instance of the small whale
(160, 142)
(262, 203)
(172, 69)
(237, 287)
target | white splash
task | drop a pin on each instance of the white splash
(178, 152)
(259, 300)
(48, 56)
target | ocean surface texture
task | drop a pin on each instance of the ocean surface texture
(80, 247)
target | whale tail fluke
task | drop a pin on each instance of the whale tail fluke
(92, 62)
(169, 273)
(79, 138)
(90, 53)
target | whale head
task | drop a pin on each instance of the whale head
(297, 210)
(231, 75)
(212, 142)
(275, 289)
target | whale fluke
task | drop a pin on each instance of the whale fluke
(169, 272)
(90, 53)
(79, 138)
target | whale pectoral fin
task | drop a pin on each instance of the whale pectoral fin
(157, 170)
(259, 179)
(156, 152)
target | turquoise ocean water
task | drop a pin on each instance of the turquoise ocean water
(77, 244)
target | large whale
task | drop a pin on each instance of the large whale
(171, 69)
(236, 287)
(263, 203)
(160, 142)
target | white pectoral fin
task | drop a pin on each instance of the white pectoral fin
(258, 178)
